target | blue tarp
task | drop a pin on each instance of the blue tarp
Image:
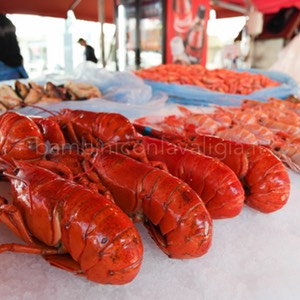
(194, 95)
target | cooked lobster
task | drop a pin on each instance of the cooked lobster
(264, 177)
(215, 183)
(70, 226)
(20, 138)
(86, 127)
(173, 213)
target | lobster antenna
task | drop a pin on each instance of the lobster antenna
(53, 113)
(91, 165)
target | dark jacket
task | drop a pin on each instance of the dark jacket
(90, 54)
(9, 48)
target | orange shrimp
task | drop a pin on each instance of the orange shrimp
(237, 134)
(222, 120)
(289, 154)
(198, 122)
(263, 135)
(237, 116)
(285, 104)
(276, 126)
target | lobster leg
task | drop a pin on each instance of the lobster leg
(64, 262)
(30, 249)
(11, 216)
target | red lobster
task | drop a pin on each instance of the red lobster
(84, 127)
(55, 216)
(173, 213)
(20, 138)
(213, 181)
(263, 175)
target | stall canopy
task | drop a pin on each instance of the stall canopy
(269, 6)
(89, 9)
(83, 9)
(264, 6)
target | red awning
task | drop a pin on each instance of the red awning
(264, 6)
(88, 9)
(85, 9)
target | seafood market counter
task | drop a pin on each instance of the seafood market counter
(253, 256)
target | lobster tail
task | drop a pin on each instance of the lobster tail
(174, 214)
(263, 176)
(213, 181)
(108, 249)
(266, 182)
(180, 225)
(92, 229)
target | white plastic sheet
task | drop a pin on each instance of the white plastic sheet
(121, 87)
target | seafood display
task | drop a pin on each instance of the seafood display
(80, 179)
(32, 93)
(219, 80)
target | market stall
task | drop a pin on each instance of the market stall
(253, 253)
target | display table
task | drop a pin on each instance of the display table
(253, 256)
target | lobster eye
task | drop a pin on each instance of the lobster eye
(32, 144)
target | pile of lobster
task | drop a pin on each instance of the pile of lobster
(80, 179)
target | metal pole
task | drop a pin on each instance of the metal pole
(101, 18)
(137, 34)
(74, 4)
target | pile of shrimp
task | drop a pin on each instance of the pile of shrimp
(274, 124)
(219, 80)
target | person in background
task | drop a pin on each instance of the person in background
(89, 51)
(11, 60)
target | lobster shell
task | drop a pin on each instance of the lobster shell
(92, 229)
(20, 138)
(214, 182)
(174, 214)
(264, 177)
(83, 127)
